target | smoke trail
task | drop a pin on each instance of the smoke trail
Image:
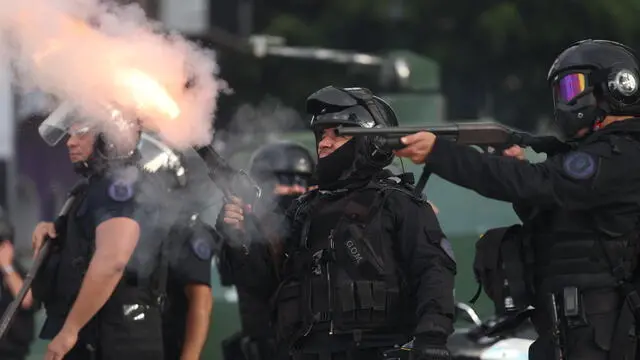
(91, 53)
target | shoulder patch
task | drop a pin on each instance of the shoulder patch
(120, 191)
(201, 247)
(579, 165)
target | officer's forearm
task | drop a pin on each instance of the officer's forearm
(99, 283)
(198, 315)
(115, 241)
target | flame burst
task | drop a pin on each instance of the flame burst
(137, 89)
(147, 93)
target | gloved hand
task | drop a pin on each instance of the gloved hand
(430, 347)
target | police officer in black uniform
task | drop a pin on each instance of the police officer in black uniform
(189, 300)
(365, 263)
(580, 207)
(98, 307)
(283, 170)
(15, 344)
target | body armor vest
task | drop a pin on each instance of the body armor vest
(575, 249)
(346, 279)
(68, 262)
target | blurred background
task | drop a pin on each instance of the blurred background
(435, 61)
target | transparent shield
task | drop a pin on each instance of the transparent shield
(56, 126)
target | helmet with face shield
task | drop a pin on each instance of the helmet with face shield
(592, 79)
(117, 140)
(332, 106)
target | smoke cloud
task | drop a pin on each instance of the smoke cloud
(91, 54)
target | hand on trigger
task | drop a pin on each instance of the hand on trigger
(418, 146)
(514, 151)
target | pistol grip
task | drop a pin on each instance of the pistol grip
(393, 143)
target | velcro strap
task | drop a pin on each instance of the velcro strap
(365, 294)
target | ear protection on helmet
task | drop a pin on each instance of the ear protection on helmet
(622, 86)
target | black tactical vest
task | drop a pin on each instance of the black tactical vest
(581, 249)
(344, 279)
(68, 262)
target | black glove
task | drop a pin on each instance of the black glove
(430, 347)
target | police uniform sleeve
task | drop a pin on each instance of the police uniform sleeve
(109, 199)
(587, 177)
(196, 265)
(429, 263)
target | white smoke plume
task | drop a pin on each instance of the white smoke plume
(91, 53)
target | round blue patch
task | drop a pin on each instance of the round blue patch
(201, 248)
(579, 165)
(120, 191)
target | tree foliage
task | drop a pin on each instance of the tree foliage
(494, 54)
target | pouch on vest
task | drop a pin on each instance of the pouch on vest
(289, 313)
(44, 283)
(501, 270)
(364, 286)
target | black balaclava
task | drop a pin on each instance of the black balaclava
(330, 168)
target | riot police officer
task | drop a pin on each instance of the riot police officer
(97, 306)
(185, 320)
(580, 207)
(15, 344)
(284, 171)
(365, 263)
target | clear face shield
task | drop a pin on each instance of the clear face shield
(63, 121)
(122, 136)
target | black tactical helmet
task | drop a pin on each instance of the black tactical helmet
(592, 79)
(332, 106)
(281, 159)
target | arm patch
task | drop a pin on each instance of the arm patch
(579, 165)
(120, 191)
